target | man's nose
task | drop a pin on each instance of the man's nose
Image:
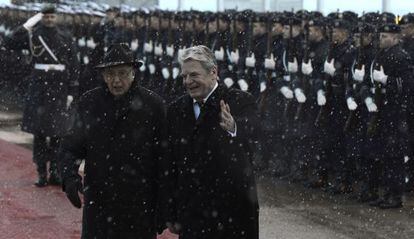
(187, 79)
(116, 78)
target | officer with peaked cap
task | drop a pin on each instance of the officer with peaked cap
(392, 75)
(51, 89)
(336, 70)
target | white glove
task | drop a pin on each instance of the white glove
(251, 61)
(321, 98)
(228, 82)
(180, 53)
(31, 22)
(148, 46)
(359, 74)
(234, 56)
(142, 68)
(7, 32)
(286, 78)
(380, 76)
(262, 86)
(243, 85)
(82, 42)
(170, 51)
(69, 100)
(151, 68)
(329, 67)
(270, 63)
(90, 43)
(286, 92)
(165, 73)
(175, 71)
(371, 106)
(293, 66)
(134, 45)
(85, 60)
(158, 50)
(219, 54)
(300, 97)
(352, 105)
(307, 68)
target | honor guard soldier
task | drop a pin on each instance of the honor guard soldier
(392, 76)
(51, 89)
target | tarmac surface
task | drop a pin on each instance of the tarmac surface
(286, 210)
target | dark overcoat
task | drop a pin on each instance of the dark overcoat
(45, 101)
(215, 185)
(394, 119)
(120, 140)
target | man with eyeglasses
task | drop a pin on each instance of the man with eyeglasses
(118, 130)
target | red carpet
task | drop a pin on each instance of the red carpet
(27, 211)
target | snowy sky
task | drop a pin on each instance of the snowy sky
(396, 6)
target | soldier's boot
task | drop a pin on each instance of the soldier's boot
(392, 202)
(318, 180)
(365, 197)
(54, 178)
(409, 185)
(42, 175)
(379, 200)
(41, 181)
(340, 188)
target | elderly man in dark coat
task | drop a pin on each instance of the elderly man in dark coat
(118, 130)
(211, 132)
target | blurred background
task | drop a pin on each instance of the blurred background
(398, 7)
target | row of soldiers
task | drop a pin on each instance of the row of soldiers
(335, 92)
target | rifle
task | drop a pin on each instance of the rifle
(152, 84)
(351, 121)
(269, 45)
(304, 78)
(249, 50)
(207, 31)
(290, 55)
(143, 55)
(169, 59)
(321, 118)
(193, 21)
(182, 23)
(234, 42)
(373, 124)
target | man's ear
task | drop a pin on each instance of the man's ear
(214, 70)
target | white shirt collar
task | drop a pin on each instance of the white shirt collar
(209, 94)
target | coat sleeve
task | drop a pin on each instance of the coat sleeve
(166, 210)
(72, 148)
(246, 116)
(19, 39)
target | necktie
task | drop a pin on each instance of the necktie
(197, 109)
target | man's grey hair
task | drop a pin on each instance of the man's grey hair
(199, 53)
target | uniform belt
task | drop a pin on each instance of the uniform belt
(50, 67)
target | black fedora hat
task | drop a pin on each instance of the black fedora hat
(119, 54)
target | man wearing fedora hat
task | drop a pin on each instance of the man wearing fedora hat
(118, 130)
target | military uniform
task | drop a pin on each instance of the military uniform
(52, 79)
